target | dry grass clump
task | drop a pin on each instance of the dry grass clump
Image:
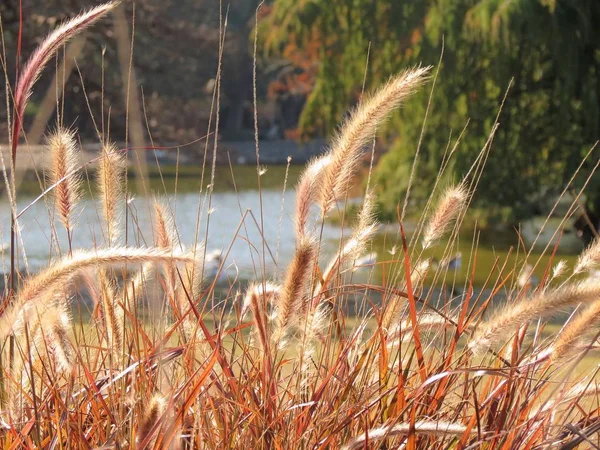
(166, 360)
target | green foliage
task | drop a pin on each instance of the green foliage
(550, 48)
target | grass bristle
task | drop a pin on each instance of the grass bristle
(542, 304)
(293, 297)
(452, 202)
(590, 257)
(111, 167)
(63, 173)
(360, 129)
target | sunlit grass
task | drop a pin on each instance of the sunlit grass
(415, 355)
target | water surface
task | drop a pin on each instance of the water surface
(231, 221)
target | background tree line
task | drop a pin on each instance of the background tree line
(550, 48)
(175, 56)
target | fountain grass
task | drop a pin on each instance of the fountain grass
(166, 360)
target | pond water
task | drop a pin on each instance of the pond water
(232, 226)
(235, 197)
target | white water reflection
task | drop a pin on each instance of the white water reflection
(227, 210)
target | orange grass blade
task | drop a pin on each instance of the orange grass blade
(412, 306)
(191, 398)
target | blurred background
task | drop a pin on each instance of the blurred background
(314, 60)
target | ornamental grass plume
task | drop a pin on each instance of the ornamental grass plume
(63, 174)
(256, 299)
(589, 259)
(438, 429)
(40, 57)
(51, 337)
(270, 290)
(308, 190)
(313, 332)
(112, 313)
(559, 269)
(154, 411)
(110, 177)
(427, 321)
(572, 336)
(165, 237)
(293, 298)
(187, 287)
(450, 205)
(359, 129)
(38, 289)
(584, 389)
(542, 304)
(354, 247)
(587, 389)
